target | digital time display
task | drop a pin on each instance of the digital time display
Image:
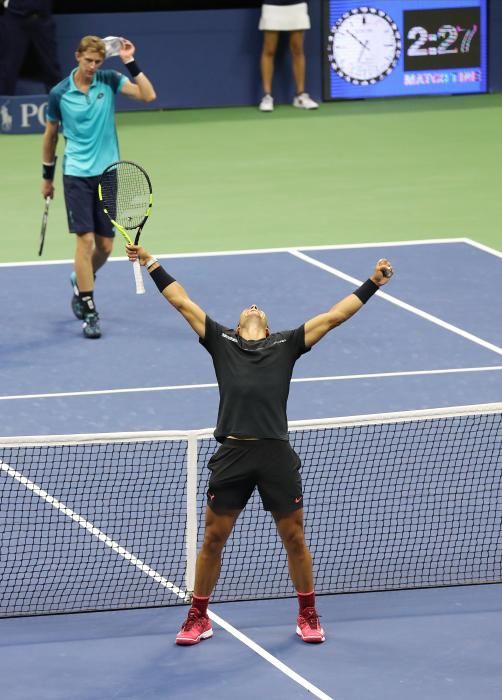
(433, 41)
(404, 47)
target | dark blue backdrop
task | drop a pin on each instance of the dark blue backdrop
(211, 58)
(495, 45)
(195, 59)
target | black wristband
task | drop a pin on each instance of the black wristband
(133, 68)
(366, 290)
(48, 170)
(161, 278)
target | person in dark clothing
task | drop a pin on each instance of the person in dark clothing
(254, 368)
(25, 23)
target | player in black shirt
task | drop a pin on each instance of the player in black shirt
(254, 368)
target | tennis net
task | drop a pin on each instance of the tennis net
(103, 522)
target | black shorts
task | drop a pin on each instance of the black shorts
(83, 208)
(240, 465)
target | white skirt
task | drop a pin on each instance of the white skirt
(284, 18)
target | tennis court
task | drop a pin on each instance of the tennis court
(431, 340)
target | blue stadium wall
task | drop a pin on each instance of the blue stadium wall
(495, 45)
(209, 58)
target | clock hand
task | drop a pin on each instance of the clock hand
(363, 49)
(363, 44)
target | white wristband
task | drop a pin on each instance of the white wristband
(151, 262)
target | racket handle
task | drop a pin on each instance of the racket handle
(138, 277)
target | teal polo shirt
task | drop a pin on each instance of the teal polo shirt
(88, 122)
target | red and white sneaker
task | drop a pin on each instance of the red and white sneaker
(195, 628)
(308, 626)
(304, 101)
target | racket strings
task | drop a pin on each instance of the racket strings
(126, 194)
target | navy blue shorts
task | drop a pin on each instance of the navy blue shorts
(241, 465)
(83, 208)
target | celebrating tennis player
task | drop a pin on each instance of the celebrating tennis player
(84, 104)
(254, 368)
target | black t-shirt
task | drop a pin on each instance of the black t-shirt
(253, 378)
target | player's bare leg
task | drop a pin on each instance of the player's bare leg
(290, 529)
(83, 305)
(270, 42)
(216, 533)
(298, 60)
(197, 625)
(102, 249)
(83, 261)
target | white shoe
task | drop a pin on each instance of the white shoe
(267, 103)
(304, 101)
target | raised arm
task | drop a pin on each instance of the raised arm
(317, 327)
(141, 89)
(175, 294)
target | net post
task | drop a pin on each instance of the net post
(191, 521)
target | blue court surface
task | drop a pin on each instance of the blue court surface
(431, 339)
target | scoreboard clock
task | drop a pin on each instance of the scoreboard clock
(404, 47)
(365, 45)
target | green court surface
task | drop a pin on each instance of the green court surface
(226, 179)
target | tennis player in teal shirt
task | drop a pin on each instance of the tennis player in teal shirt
(83, 106)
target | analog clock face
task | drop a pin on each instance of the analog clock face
(365, 46)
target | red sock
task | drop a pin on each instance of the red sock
(200, 602)
(306, 600)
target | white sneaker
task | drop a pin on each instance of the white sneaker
(304, 101)
(267, 103)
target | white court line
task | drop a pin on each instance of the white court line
(484, 248)
(268, 657)
(214, 385)
(158, 578)
(96, 532)
(401, 304)
(260, 251)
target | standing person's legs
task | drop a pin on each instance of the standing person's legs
(216, 533)
(102, 249)
(83, 303)
(13, 47)
(290, 529)
(302, 99)
(218, 527)
(91, 253)
(270, 42)
(43, 36)
(83, 263)
(296, 40)
(94, 244)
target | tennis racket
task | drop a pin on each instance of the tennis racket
(43, 228)
(125, 193)
(45, 216)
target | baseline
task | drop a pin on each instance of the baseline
(403, 305)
